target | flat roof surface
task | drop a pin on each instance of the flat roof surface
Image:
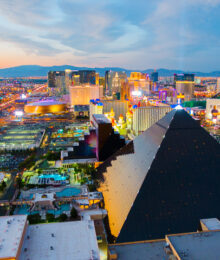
(44, 197)
(87, 214)
(142, 250)
(101, 119)
(58, 241)
(46, 103)
(200, 245)
(211, 223)
(11, 230)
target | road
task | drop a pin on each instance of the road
(17, 96)
(11, 189)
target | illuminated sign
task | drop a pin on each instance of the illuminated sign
(180, 96)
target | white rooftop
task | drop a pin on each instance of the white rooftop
(95, 195)
(93, 213)
(200, 245)
(58, 241)
(83, 202)
(44, 197)
(11, 230)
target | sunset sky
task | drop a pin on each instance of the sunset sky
(174, 34)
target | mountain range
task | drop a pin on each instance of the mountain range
(36, 70)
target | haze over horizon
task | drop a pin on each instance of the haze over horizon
(181, 35)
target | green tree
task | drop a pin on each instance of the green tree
(92, 187)
(19, 182)
(73, 213)
(2, 185)
(63, 217)
(50, 217)
(34, 219)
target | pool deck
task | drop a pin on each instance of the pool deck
(28, 193)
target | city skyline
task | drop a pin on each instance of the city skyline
(155, 34)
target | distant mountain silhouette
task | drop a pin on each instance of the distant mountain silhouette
(36, 70)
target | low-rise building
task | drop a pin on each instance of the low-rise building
(55, 241)
(202, 245)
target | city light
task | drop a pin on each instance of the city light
(178, 107)
(136, 93)
(19, 113)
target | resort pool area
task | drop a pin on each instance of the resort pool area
(29, 197)
(62, 208)
(68, 192)
(79, 131)
(24, 210)
(56, 177)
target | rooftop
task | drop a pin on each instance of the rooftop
(210, 224)
(46, 103)
(44, 197)
(199, 245)
(68, 240)
(152, 250)
(101, 119)
(11, 231)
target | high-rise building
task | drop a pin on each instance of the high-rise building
(56, 82)
(84, 76)
(139, 82)
(184, 77)
(159, 183)
(59, 81)
(213, 109)
(68, 80)
(185, 85)
(145, 117)
(113, 81)
(82, 94)
(218, 86)
(154, 76)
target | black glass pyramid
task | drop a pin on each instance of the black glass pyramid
(166, 183)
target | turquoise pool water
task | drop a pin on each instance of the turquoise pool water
(78, 131)
(24, 210)
(63, 208)
(56, 177)
(30, 197)
(68, 192)
(78, 135)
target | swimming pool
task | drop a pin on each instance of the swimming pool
(28, 197)
(25, 210)
(78, 131)
(68, 192)
(56, 177)
(63, 208)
